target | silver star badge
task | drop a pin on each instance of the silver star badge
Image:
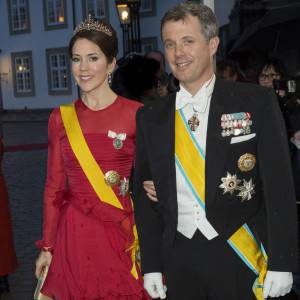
(246, 190)
(229, 183)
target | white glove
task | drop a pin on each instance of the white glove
(277, 284)
(153, 284)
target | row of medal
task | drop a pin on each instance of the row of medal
(236, 124)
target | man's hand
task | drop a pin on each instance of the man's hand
(277, 284)
(153, 284)
(150, 190)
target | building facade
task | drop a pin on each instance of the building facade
(34, 63)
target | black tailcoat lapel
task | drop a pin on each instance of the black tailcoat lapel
(216, 145)
(163, 133)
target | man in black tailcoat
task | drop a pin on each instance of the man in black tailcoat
(218, 156)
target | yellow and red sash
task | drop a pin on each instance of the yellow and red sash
(92, 170)
(191, 161)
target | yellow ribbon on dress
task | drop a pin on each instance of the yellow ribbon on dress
(191, 161)
(91, 168)
(135, 253)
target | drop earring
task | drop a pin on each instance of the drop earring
(109, 78)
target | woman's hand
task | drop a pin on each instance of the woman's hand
(150, 190)
(43, 260)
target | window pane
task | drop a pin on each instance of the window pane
(23, 77)
(100, 9)
(63, 79)
(146, 4)
(62, 60)
(27, 81)
(22, 17)
(53, 61)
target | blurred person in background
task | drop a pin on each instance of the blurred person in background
(8, 261)
(229, 70)
(136, 78)
(271, 70)
(162, 76)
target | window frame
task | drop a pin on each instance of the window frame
(14, 56)
(49, 26)
(12, 30)
(150, 40)
(57, 51)
(85, 10)
(148, 13)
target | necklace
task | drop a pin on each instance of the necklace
(194, 121)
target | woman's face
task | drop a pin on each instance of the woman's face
(267, 75)
(90, 67)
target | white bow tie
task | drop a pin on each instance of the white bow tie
(181, 102)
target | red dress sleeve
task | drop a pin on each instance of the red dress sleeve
(55, 182)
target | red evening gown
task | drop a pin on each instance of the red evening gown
(89, 237)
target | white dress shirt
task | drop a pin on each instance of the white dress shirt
(191, 216)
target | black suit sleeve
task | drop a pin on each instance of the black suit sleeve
(147, 218)
(277, 183)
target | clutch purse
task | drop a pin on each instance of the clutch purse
(37, 294)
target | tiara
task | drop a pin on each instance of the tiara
(89, 24)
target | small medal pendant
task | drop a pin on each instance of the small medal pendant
(124, 187)
(194, 122)
(118, 144)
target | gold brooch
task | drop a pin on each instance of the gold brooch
(246, 162)
(112, 178)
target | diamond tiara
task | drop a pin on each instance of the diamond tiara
(89, 24)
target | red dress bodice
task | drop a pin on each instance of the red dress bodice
(64, 172)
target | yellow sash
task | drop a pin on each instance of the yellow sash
(91, 168)
(191, 161)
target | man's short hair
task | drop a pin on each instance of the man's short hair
(206, 17)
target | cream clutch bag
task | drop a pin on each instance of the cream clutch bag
(37, 294)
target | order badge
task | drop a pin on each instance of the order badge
(246, 162)
(112, 178)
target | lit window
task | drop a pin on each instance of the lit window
(23, 74)
(55, 14)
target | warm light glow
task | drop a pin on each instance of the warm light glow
(61, 19)
(125, 15)
(21, 68)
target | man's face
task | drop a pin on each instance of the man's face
(189, 54)
(267, 76)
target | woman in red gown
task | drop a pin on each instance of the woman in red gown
(8, 261)
(87, 242)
